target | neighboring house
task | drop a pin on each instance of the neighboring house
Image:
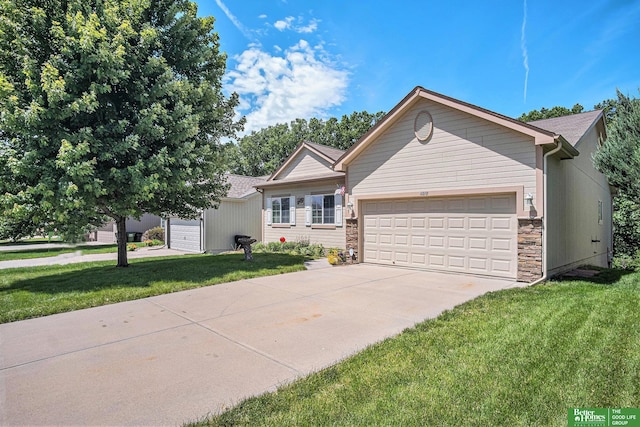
(215, 229)
(441, 184)
(107, 233)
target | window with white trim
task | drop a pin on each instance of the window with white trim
(323, 209)
(281, 210)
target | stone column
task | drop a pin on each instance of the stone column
(529, 250)
(352, 236)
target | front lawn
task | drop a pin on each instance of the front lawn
(519, 357)
(31, 253)
(40, 291)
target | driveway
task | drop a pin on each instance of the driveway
(175, 358)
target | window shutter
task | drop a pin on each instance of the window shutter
(292, 210)
(269, 215)
(307, 210)
(338, 204)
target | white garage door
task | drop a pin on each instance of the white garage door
(184, 235)
(476, 235)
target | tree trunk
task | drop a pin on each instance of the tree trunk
(121, 224)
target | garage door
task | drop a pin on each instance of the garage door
(184, 235)
(476, 235)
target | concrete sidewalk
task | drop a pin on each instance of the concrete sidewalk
(76, 257)
(175, 358)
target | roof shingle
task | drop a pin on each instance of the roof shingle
(572, 127)
(242, 186)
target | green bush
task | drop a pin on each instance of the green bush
(299, 247)
(155, 233)
(627, 262)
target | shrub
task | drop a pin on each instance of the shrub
(627, 262)
(155, 233)
(131, 247)
(301, 246)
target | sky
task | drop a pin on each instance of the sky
(291, 59)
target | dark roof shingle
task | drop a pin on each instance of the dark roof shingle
(242, 186)
(572, 127)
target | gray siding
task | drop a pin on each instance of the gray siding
(464, 152)
(329, 237)
(574, 189)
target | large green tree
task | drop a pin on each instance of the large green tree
(619, 158)
(109, 108)
(261, 152)
(549, 113)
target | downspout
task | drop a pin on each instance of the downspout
(544, 214)
(203, 232)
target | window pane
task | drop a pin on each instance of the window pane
(316, 209)
(284, 202)
(275, 209)
(329, 209)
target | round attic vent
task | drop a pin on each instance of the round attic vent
(423, 126)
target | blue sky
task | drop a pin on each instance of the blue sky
(290, 59)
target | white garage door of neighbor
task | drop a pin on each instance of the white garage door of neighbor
(477, 235)
(185, 235)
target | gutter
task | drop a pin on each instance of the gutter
(544, 214)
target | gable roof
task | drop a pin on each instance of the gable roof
(572, 127)
(541, 136)
(328, 154)
(243, 186)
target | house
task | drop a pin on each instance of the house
(107, 233)
(215, 229)
(444, 185)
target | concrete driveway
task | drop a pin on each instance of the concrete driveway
(175, 358)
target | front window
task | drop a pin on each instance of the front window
(280, 210)
(323, 209)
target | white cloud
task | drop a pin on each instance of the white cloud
(301, 83)
(297, 25)
(284, 24)
(263, 16)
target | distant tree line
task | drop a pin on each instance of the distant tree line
(261, 152)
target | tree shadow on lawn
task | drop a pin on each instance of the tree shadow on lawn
(606, 276)
(180, 272)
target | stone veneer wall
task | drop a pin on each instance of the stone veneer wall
(352, 236)
(529, 250)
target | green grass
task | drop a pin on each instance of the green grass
(31, 241)
(51, 252)
(40, 291)
(518, 357)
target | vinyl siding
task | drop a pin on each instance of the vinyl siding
(574, 188)
(306, 163)
(233, 216)
(107, 233)
(328, 237)
(464, 152)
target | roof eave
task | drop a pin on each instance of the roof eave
(276, 183)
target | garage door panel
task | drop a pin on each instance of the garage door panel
(501, 223)
(436, 223)
(478, 223)
(456, 243)
(455, 223)
(474, 234)
(502, 245)
(478, 243)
